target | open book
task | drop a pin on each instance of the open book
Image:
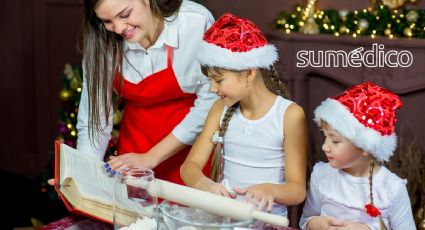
(86, 189)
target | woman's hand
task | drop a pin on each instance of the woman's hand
(260, 195)
(129, 160)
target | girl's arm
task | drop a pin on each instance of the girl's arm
(400, 211)
(312, 204)
(191, 170)
(293, 192)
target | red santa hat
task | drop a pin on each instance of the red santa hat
(236, 44)
(365, 115)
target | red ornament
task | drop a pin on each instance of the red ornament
(235, 34)
(373, 106)
(372, 211)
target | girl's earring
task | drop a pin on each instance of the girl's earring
(247, 83)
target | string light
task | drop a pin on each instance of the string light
(373, 21)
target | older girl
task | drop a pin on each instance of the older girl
(263, 134)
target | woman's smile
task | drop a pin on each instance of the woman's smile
(129, 33)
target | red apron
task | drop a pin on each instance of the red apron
(153, 107)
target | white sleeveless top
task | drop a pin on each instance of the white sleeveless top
(253, 149)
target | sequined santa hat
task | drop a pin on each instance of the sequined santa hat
(236, 44)
(365, 115)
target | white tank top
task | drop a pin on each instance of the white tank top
(253, 149)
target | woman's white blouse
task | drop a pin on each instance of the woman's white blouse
(183, 33)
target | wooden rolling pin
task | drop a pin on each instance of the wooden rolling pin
(212, 203)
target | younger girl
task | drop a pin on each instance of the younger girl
(260, 137)
(353, 191)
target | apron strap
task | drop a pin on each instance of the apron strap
(169, 60)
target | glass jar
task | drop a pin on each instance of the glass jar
(134, 207)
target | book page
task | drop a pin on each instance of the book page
(88, 173)
(93, 183)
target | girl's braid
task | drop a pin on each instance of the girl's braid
(279, 87)
(217, 163)
(372, 165)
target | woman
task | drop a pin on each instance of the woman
(144, 51)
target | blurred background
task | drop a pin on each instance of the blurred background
(41, 81)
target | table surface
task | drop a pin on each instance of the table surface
(79, 222)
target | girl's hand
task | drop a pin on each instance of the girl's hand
(322, 223)
(208, 185)
(260, 195)
(129, 160)
(330, 223)
(347, 225)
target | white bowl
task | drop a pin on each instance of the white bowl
(178, 217)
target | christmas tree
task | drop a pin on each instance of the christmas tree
(70, 98)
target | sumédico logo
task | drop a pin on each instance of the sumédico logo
(376, 57)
